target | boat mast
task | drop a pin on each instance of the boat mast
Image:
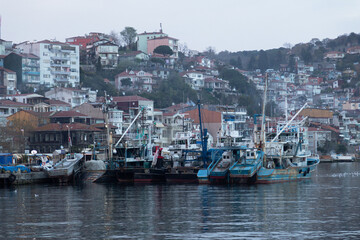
(203, 144)
(262, 133)
(108, 135)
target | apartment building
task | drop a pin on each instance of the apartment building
(59, 62)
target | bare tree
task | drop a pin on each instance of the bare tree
(184, 49)
(115, 37)
(287, 45)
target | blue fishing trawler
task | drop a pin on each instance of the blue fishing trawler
(287, 157)
(245, 169)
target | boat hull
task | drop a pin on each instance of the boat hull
(181, 178)
(150, 176)
(283, 175)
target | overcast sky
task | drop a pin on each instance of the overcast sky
(233, 25)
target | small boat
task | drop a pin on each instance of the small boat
(67, 168)
(342, 158)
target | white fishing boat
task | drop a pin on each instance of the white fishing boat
(66, 168)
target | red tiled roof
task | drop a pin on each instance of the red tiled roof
(316, 113)
(64, 114)
(39, 114)
(207, 116)
(6, 70)
(6, 102)
(129, 98)
(132, 73)
(57, 102)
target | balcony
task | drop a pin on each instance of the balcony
(60, 72)
(32, 73)
(59, 64)
(61, 80)
(64, 58)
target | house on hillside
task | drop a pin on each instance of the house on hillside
(138, 80)
(27, 68)
(353, 50)
(8, 80)
(134, 55)
(107, 53)
(194, 79)
(217, 84)
(334, 55)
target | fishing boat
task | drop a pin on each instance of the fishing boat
(286, 156)
(156, 172)
(245, 169)
(67, 168)
(220, 169)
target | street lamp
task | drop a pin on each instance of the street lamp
(23, 135)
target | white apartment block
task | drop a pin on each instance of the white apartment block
(59, 62)
(75, 97)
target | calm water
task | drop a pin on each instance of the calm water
(326, 207)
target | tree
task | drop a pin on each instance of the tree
(210, 52)
(98, 65)
(115, 37)
(164, 50)
(263, 61)
(341, 149)
(126, 82)
(128, 35)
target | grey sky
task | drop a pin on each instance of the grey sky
(233, 25)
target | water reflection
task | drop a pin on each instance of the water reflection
(323, 207)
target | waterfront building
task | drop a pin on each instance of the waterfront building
(59, 62)
(53, 136)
